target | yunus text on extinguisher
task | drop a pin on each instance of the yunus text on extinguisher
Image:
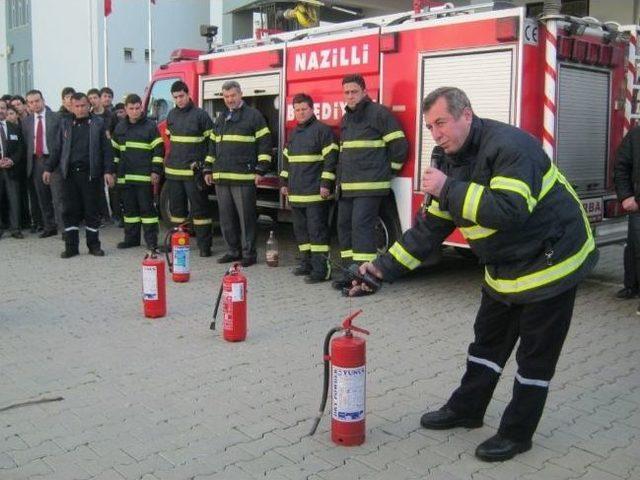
(176, 247)
(345, 369)
(154, 295)
(233, 294)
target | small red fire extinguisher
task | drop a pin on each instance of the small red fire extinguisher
(233, 293)
(345, 368)
(177, 252)
(154, 295)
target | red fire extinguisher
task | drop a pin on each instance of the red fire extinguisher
(177, 252)
(345, 366)
(154, 295)
(233, 293)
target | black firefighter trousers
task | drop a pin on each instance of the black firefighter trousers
(81, 201)
(311, 229)
(181, 191)
(541, 327)
(139, 210)
(357, 217)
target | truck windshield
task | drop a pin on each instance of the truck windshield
(160, 100)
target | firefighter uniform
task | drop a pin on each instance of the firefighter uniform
(240, 148)
(372, 150)
(525, 223)
(188, 129)
(309, 163)
(138, 151)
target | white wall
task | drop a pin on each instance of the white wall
(4, 79)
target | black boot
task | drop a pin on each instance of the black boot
(499, 448)
(320, 269)
(304, 267)
(71, 242)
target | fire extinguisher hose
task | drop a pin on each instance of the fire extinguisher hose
(325, 383)
(215, 309)
(167, 248)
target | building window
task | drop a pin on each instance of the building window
(576, 8)
(19, 13)
(146, 54)
(128, 54)
(20, 77)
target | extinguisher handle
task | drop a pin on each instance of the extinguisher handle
(353, 328)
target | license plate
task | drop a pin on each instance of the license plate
(593, 207)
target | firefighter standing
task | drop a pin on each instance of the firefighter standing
(139, 155)
(372, 150)
(240, 155)
(525, 223)
(188, 128)
(308, 174)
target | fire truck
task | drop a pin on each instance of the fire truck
(568, 81)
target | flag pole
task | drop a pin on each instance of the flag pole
(106, 52)
(150, 41)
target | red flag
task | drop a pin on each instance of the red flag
(153, 1)
(107, 8)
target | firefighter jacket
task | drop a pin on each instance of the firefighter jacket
(138, 150)
(240, 148)
(309, 162)
(188, 129)
(373, 148)
(519, 214)
(627, 169)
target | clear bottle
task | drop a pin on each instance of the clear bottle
(272, 250)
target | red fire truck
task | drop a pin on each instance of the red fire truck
(563, 79)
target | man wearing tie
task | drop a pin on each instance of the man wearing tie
(40, 129)
(10, 158)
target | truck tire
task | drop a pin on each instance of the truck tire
(388, 228)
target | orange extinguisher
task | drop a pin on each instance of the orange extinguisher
(345, 368)
(233, 293)
(154, 294)
(177, 252)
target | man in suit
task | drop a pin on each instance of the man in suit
(11, 157)
(40, 129)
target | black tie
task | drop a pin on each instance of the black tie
(3, 140)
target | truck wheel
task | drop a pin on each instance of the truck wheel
(388, 228)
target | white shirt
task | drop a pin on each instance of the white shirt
(45, 150)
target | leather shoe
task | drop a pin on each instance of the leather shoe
(302, 269)
(446, 418)
(96, 252)
(127, 245)
(626, 293)
(17, 235)
(228, 258)
(312, 279)
(48, 233)
(247, 262)
(205, 252)
(69, 253)
(498, 448)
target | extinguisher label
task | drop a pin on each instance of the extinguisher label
(348, 393)
(150, 283)
(180, 259)
(237, 292)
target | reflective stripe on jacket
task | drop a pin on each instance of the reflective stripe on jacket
(138, 150)
(189, 129)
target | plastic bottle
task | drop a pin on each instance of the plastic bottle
(272, 250)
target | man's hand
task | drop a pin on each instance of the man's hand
(110, 179)
(325, 192)
(6, 162)
(258, 179)
(208, 179)
(630, 204)
(284, 191)
(46, 178)
(155, 179)
(433, 181)
(356, 286)
(193, 165)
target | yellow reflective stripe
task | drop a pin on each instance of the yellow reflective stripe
(305, 198)
(120, 180)
(476, 232)
(116, 159)
(346, 253)
(305, 158)
(137, 178)
(548, 181)
(316, 248)
(284, 174)
(403, 257)
(472, 201)
(366, 185)
(209, 159)
(285, 152)
(516, 186)
(206, 133)
(186, 139)
(157, 160)
(328, 176)
(393, 136)
(364, 257)
(262, 132)
(362, 144)
(156, 142)
(304, 247)
(396, 166)
(138, 145)
(233, 176)
(202, 221)
(264, 157)
(131, 219)
(215, 138)
(573, 193)
(544, 276)
(174, 171)
(434, 209)
(149, 220)
(328, 149)
(237, 138)
(115, 145)
(177, 219)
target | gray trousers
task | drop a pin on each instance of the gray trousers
(49, 196)
(238, 218)
(12, 188)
